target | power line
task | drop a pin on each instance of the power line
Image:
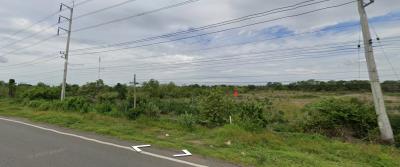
(29, 46)
(227, 22)
(103, 9)
(31, 62)
(219, 31)
(304, 50)
(32, 25)
(384, 53)
(82, 3)
(36, 23)
(28, 37)
(192, 63)
(231, 58)
(137, 15)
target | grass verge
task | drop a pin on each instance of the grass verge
(245, 148)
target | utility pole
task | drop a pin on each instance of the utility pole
(71, 9)
(98, 74)
(134, 90)
(383, 120)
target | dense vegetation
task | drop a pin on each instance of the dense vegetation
(199, 107)
(213, 106)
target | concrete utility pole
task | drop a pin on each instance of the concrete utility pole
(64, 83)
(383, 120)
(98, 74)
(134, 90)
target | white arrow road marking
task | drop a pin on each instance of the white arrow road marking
(186, 153)
(102, 142)
(137, 148)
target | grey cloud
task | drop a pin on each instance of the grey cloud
(3, 59)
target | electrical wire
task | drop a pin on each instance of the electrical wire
(223, 23)
(214, 32)
(137, 15)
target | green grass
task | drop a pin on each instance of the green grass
(248, 149)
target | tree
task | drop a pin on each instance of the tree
(11, 88)
(152, 87)
(121, 90)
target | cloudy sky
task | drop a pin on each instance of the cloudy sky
(196, 41)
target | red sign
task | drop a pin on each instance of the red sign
(235, 93)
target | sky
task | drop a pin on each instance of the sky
(196, 41)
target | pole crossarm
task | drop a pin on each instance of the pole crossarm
(369, 3)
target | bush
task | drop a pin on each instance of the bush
(148, 109)
(37, 93)
(104, 107)
(34, 103)
(187, 121)
(397, 140)
(215, 109)
(74, 104)
(254, 114)
(341, 118)
(133, 113)
(151, 110)
(251, 115)
(107, 97)
(176, 106)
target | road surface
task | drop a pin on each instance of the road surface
(23, 145)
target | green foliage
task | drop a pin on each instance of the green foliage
(152, 87)
(148, 109)
(341, 118)
(251, 115)
(133, 113)
(397, 140)
(177, 106)
(74, 104)
(11, 88)
(254, 114)
(42, 92)
(107, 97)
(91, 89)
(105, 107)
(187, 121)
(395, 122)
(151, 110)
(121, 90)
(3, 89)
(215, 108)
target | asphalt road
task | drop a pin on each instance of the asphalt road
(26, 146)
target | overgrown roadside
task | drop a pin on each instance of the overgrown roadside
(229, 142)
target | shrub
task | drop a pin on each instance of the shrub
(254, 114)
(340, 118)
(215, 109)
(74, 104)
(104, 107)
(177, 106)
(148, 109)
(187, 121)
(251, 115)
(107, 97)
(133, 113)
(151, 110)
(397, 140)
(35, 103)
(37, 93)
